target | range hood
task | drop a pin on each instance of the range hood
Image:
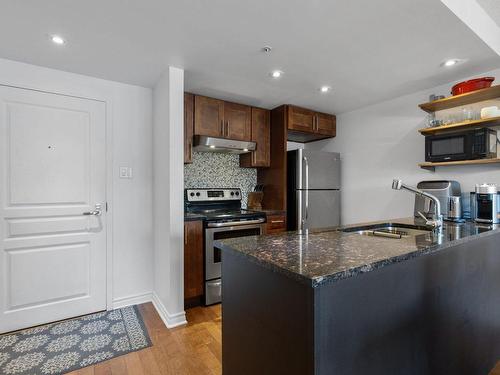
(203, 143)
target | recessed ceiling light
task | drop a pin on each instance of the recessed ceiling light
(450, 62)
(325, 89)
(276, 73)
(267, 49)
(58, 39)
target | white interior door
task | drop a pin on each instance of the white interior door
(52, 170)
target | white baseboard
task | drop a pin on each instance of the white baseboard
(136, 299)
(170, 320)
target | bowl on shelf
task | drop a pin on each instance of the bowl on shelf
(472, 85)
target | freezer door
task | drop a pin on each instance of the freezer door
(319, 208)
(323, 169)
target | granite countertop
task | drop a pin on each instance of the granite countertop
(329, 255)
(188, 216)
(271, 212)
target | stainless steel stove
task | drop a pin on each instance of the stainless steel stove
(224, 218)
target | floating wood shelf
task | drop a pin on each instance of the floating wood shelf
(463, 99)
(432, 166)
(494, 121)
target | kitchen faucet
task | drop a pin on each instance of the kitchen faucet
(437, 221)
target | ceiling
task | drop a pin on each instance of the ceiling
(366, 50)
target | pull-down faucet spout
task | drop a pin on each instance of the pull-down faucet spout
(437, 221)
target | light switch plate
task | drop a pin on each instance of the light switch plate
(125, 172)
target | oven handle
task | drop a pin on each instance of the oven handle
(235, 223)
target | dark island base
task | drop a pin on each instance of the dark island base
(435, 314)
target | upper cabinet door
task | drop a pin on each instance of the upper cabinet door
(325, 124)
(300, 119)
(237, 121)
(188, 127)
(261, 134)
(208, 116)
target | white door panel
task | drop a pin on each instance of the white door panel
(52, 165)
(69, 262)
(17, 227)
(54, 157)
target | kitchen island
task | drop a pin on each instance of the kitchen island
(336, 302)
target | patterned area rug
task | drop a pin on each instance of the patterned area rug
(65, 346)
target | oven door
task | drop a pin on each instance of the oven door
(448, 147)
(213, 254)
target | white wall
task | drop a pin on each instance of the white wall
(129, 111)
(168, 186)
(381, 142)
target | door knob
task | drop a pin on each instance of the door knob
(96, 212)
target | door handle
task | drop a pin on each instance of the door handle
(96, 212)
(307, 187)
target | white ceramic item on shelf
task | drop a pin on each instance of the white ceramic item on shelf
(489, 112)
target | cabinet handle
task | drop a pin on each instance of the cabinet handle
(227, 128)
(222, 127)
(185, 236)
(277, 221)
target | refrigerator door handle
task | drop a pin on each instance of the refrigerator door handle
(306, 215)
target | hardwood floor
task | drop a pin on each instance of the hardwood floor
(195, 348)
(496, 370)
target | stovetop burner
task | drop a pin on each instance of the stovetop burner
(219, 205)
(226, 215)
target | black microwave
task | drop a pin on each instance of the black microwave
(464, 145)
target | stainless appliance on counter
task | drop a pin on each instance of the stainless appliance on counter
(224, 219)
(313, 190)
(487, 204)
(448, 194)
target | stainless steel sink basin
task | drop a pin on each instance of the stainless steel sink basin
(390, 230)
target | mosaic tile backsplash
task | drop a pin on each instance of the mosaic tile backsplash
(216, 170)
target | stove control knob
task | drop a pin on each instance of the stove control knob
(237, 193)
(198, 194)
(232, 193)
(191, 194)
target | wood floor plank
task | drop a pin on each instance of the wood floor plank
(133, 363)
(83, 371)
(102, 369)
(118, 366)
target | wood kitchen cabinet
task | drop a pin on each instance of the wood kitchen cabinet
(261, 135)
(326, 124)
(208, 116)
(301, 119)
(188, 127)
(217, 118)
(305, 125)
(193, 263)
(237, 121)
(276, 223)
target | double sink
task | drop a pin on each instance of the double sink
(390, 230)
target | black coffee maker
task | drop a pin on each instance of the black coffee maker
(486, 204)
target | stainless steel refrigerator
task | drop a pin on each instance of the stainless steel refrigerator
(313, 190)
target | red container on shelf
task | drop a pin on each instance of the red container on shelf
(472, 85)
